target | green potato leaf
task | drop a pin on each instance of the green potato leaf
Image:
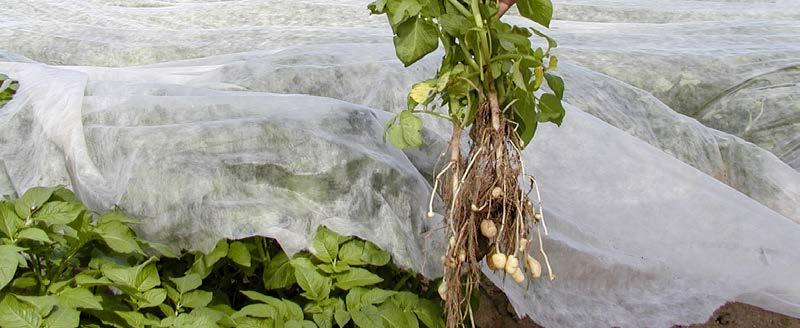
(277, 304)
(342, 317)
(406, 131)
(429, 313)
(316, 286)
(377, 296)
(368, 316)
(279, 273)
(9, 221)
(300, 324)
(356, 277)
(351, 252)
(119, 237)
(551, 109)
(400, 10)
(416, 37)
(34, 234)
(239, 253)
(406, 300)
(196, 299)
(147, 277)
(353, 298)
(58, 213)
(525, 116)
(293, 311)
(204, 263)
(257, 311)
(377, 7)
(375, 256)
(394, 317)
(116, 215)
(142, 277)
(516, 76)
(556, 84)
(161, 249)
(32, 200)
(43, 304)
(454, 24)
(325, 245)
(8, 264)
(64, 195)
(63, 318)
(136, 319)
(16, 314)
(187, 283)
(539, 11)
(75, 298)
(323, 320)
(153, 298)
(339, 267)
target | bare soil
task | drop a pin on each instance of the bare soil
(495, 311)
(738, 315)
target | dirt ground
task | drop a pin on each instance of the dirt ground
(738, 315)
(495, 312)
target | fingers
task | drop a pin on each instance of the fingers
(504, 6)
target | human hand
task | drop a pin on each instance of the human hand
(504, 6)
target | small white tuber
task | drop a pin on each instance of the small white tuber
(499, 260)
(518, 276)
(497, 192)
(488, 228)
(512, 264)
(534, 266)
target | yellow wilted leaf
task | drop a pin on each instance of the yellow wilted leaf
(553, 63)
(421, 91)
(539, 73)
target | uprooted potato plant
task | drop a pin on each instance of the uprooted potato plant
(489, 86)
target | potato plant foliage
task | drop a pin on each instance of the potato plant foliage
(8, 88)
(490, 85)
(479, 50)
(62, 265)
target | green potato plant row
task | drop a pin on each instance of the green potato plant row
(63, 265)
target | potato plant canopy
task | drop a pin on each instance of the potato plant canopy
(63, 266)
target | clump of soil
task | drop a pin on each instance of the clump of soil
(495, 310)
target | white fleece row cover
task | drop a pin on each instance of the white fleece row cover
(671, 187)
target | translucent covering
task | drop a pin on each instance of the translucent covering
(199, 165)
(733, 161)
(654, 242)
(287, 135)
(738, 59)
(764, 110)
